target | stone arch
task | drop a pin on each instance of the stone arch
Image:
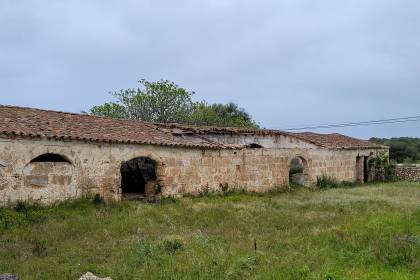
(299, 171)
(141, 177)
(51, 157)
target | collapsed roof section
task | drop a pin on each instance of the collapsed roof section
(330, 141)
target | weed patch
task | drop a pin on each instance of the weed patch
(173, 244)
(326, 182)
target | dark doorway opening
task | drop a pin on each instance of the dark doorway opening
(138, 177)
(298, 172)
(362, 169)
(366, 170)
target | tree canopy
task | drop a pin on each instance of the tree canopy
(165, 102)
(402, 150)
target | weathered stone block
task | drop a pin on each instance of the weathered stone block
(36, 181)
(61, 180)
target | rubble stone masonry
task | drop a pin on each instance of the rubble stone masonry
(94, 168)
(408, 172)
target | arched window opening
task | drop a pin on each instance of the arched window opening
(49, 176)
(138, 177)
(297, 172)
(255, 146)
(50, 158)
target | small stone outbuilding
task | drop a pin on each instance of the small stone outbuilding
(49, 156)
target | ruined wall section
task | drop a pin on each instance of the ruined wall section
(339, 164)
(254, 170)
(267, 141)
(95, 168)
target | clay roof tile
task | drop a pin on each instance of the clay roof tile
(29, 122)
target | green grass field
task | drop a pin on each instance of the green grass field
(367, 232)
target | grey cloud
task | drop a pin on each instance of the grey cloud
(290, 63)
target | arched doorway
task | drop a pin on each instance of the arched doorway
(298, 171)
(138, 177)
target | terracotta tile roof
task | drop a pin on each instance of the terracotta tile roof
(337, 141)
(331, 141)
(223, 130)
(30, 122)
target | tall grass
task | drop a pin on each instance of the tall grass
(367, 232)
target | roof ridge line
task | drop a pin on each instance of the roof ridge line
(73, 114)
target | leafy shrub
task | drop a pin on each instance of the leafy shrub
(98, 200)
(224, 190)
(173, 244)
(384, 171)
(234, 191)
(326, 182)
(244, 267)
(33, 211)
(21, 207)
(390, 175)
(329, 277)
(205, 191)
(40, 248)
(348, 184)
(168, 200)
(145, 250)
(6, 218)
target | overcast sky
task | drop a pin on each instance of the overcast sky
(288, 62)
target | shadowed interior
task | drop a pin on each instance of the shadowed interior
(136, 173)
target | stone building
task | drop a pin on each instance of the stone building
(48, 156)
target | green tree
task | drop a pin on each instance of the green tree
(161, 101)
(402, 150)
(165, 102)
(110, 109)
(221, 115)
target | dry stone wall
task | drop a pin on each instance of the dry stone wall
(95, 168)
(408, 172)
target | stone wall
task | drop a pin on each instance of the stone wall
(408, 172)
(94, 168)
(266, 141)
